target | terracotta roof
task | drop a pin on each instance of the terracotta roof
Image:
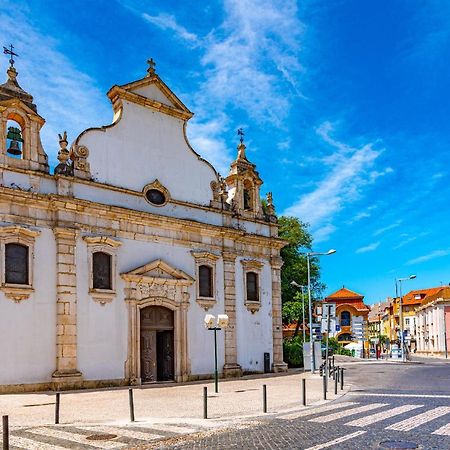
(344, 293)
(422, 296)
(435, 293)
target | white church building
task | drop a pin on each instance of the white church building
(109, 265)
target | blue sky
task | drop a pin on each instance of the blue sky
(345, 106)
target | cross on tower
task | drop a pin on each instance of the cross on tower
(9, 51)
(240, 133)
(151, 66)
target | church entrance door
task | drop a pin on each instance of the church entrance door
(157, 344)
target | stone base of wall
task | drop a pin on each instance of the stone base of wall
(280, 367)
(232, 371)
(431, 354)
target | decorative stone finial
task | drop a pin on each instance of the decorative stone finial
(64, 167)
(270, 205)
(151, 67)
(241, 151)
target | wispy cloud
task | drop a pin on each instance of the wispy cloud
(368, 248)
(323, 233)
(168, 22)
(348, 174)
(432, 255)
(387, 228)
(66, 97)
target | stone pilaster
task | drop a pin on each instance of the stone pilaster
(66, 374)
(231, 367)
(278, 364)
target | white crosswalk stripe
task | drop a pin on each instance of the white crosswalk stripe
(377, 417)
(443, 431)
(122, 431)
(167, 427)
(420, 419)
(30, 444)
(338, 440)
(321, 409)
(79, 438)
(347, 412)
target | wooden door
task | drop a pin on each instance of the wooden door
(148, 355)
(164, 345)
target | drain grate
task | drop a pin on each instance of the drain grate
(398, 445)
(101, 437)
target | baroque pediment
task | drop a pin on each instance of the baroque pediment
(158, 272)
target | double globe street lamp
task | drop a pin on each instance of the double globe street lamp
(402, 337)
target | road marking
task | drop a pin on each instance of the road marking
(377, 417)
(443, 431)
(413, 422)
(347, 412)
(371, 394)
(123, 432)
(29, 444)
(167, 427)
(339, 440)
(321, 409)
(59, 434)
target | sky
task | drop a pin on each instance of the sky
(344, 104)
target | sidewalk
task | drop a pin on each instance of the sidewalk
(169, 403)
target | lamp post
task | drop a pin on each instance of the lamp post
(302, 287)
(402, 337)
(311, 340)
(213, 325)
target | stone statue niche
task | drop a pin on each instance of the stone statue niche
(65, 166)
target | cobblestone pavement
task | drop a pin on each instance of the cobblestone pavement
(415, 409)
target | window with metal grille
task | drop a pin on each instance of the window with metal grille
(205, 281)
(252, 286)
(101, 270)
(16, 264)
(345, 319)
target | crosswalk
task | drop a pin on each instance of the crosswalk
(360, 415)
(94, 437)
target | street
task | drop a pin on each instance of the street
(408, 404)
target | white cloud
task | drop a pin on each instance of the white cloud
(342, 185)
(368, 248)
(429, 256)
(322, 234)
(387, 228)
(168, 22)
(65, 96)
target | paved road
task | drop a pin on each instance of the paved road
(414, 408)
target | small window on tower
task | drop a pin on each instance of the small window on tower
(101, 270)
(14, 139)
(205, 274)
(16, 264)
(252, 287)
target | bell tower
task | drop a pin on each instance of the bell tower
(244, 183)
(20, 125)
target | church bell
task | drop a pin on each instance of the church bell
(15, 137)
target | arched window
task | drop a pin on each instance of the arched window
(205, 284)
(101, 270)
(14, 139)
(346, 337)
(252, 286)
(345, 319)
(16, 264)
(248, 196)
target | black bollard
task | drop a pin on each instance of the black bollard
(58, 398)
(342, 379)
(205, 402)
(334, 374)
(338, 373)
(333, 360)
(131, 401)
(5, 433)
(324, 388)
(264, 398)
(335, 385)
(304, 391)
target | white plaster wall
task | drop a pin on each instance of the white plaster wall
(144, 145)
(28, 328)
(254, 331)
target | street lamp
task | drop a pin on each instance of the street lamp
(311, 340)
(213, 325)
(402, 338)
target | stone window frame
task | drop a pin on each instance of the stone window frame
(252, 265)
(205, 258)
(109, 246)
(17, 234)
(156, 185)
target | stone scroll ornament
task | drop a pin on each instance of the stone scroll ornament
(79, 156)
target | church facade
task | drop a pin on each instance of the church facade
(109, 265)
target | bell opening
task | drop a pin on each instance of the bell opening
(14, 139)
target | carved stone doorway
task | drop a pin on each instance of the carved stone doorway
(157, 344)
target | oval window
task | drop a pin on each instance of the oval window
(156, 197)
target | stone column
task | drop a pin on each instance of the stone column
(66, 375)
(231, 367)
(278, 364)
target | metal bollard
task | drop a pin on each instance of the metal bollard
(5, 433)
(342, 379)
(333, 360)
(304, 391)
(338, 373)
(264, 398)
(324, 388)
(334, 374)
(131, 401)
(335, 385)
(57, 403)
(205, 402)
